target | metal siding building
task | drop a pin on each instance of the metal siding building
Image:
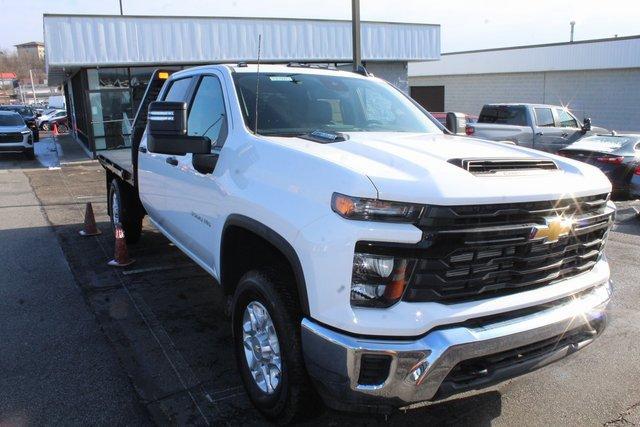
(594, 78)
(104, 62)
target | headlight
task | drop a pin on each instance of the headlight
(374, 210)
(379, 280)
(25, 132)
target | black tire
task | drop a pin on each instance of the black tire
(36, 136)
(125, 210)
(29, 154)
(293, 399)
(45, 126)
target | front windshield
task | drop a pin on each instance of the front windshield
(296, 104)
(11, 120)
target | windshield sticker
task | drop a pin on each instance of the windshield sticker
(280, 78)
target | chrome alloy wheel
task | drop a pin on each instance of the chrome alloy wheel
(115, 208)
(261, 347)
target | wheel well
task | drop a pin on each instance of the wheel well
(244, 249)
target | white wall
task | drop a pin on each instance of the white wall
(610, 97)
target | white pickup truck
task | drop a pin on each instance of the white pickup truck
(369, 258)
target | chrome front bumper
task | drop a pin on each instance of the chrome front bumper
(419, 368)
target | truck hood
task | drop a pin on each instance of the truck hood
(415, 168)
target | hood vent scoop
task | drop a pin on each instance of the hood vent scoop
(504, 166)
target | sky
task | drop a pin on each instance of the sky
(465, 24)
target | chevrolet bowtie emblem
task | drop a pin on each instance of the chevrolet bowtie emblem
(552, 230)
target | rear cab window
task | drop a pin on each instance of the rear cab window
(504, 115)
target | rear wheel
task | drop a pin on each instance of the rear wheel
(266, 330)
(125, 211)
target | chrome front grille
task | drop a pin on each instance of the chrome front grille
(478, 252)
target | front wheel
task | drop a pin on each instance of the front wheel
(266, 330)
(45, 126)
(124, 211)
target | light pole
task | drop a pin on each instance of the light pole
(573, 24)
(355, 33)
(33, 89)
(120, 1)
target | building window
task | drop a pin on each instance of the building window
(108, 78)
(110, 115)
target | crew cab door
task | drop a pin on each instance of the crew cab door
(570, 128)
(153, 169)
(192, 191)
(547, 137)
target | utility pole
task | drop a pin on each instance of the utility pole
(33, 89)
(355, 33)
(120, 1)
(573, 24)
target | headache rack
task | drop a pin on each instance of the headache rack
(481, 251)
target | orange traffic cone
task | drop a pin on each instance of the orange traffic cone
(54, 129)
(121, 257)
(90, 228)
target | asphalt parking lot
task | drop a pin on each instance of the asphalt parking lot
(159, 333)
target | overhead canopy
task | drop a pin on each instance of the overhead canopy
(74, 41)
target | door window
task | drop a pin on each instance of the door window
(178, 90)
(565, 119)
(544, 117)
(207, 114)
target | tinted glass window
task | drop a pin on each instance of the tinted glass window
(11, 120)
(504, 115)
(565, 119)
(544, 117)
(293, 104)
(207, 114)
(178, 90)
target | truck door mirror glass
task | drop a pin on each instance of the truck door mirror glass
(586, 127)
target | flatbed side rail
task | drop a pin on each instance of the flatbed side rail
(117, 170)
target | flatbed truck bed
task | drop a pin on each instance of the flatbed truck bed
(119, 162)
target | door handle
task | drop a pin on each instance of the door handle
(142, 149)
(539, 133)
(172, 161)
(564, 135)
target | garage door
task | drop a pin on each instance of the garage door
(430, 97)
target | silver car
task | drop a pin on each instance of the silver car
(15, 136)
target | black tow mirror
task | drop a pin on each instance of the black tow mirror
(167, 131)
(586, 126)
(167, 118)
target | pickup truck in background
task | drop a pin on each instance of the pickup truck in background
(368, 257)
(542, 127)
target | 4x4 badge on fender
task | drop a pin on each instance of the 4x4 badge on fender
(553, 229)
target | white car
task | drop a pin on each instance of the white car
(15, 136)
(367, 256)
(44, 119)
